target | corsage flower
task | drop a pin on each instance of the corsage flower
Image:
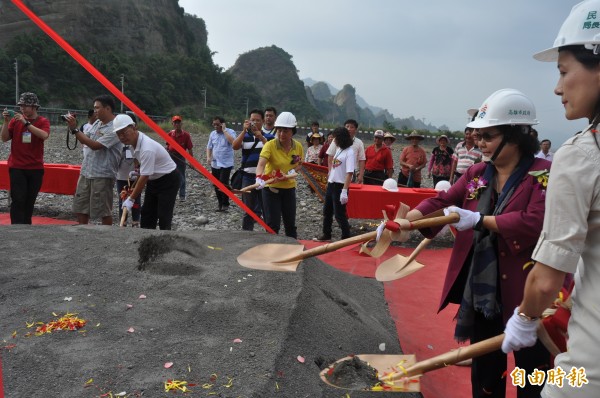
(295, 159)
(475, 186)
(542, 179)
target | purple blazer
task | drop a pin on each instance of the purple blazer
(520, 225)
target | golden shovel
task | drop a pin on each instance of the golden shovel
(284, 257)
(399, 266)
(400, 373)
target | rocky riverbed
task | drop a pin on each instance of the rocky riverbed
(198, 211)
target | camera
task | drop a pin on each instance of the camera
(64, 117)
(253, 124)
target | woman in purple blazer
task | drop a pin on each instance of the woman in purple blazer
(501, 208)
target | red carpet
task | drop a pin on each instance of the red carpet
(413, 303)
(5, 220)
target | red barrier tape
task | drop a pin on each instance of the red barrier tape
(117, 93)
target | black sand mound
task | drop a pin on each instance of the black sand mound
(192, 315)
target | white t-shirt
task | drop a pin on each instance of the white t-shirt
(343, 162)
(154, 159)
(359, 151)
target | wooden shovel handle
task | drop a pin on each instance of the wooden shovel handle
(423, 223)
(123, 217)
(269, 181)
(453, 357)
(434, 221)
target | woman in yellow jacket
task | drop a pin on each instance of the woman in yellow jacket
(279, 160)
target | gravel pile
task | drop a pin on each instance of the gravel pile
(198, 211)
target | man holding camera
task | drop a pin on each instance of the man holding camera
(27, 132)
(95, 187)
(219, 155)
(251, 142)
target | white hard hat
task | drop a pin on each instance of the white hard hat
(582, 27)
(442, 186)
(122, 121)
(390, 185)
(506, 106)
(286, 119)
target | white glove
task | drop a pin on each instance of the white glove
(519, 333)
(133, 175)
(128, 203)
(261, 183)
(468, 218)
(380, 230)
(344, 196)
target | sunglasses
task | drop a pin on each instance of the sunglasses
(487, 137)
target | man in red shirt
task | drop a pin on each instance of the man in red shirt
(412, 159)
(27, 132)
(184, 139)
(379, 164)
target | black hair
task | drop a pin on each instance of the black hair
(342, 138)
(315, 123)
(352, 122)
(272, 109)
(546, 140)
(520, 136)
(258, 112)
(219, 118)
(90, 113)
(533, 132)
(590, 61)
(106, 100)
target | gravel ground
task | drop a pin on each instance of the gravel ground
(198, 211)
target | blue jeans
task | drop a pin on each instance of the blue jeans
(333, 206)
(280, 205)
(253, 200)
(181, 164)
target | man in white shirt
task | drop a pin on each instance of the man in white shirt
(158, 174)
(545, 150)
(359, 150)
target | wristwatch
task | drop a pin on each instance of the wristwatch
(27, 123)
(74, 131)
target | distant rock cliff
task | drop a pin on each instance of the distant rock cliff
(272, 72)
(132, 26)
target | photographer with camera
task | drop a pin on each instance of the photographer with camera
(95, 187)
(27, 132)
(219, 155)
(251, 142)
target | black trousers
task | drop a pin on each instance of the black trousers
(159, 201)
(24, 187)
(374, 177)
(333, 207)
(222, 175)
(403, 180)
(488, 378)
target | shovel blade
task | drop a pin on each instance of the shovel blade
(396, 267)
(265, 257)
(387, 366)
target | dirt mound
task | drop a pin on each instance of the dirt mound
(192, 315)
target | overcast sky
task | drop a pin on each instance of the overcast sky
(428, 59)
